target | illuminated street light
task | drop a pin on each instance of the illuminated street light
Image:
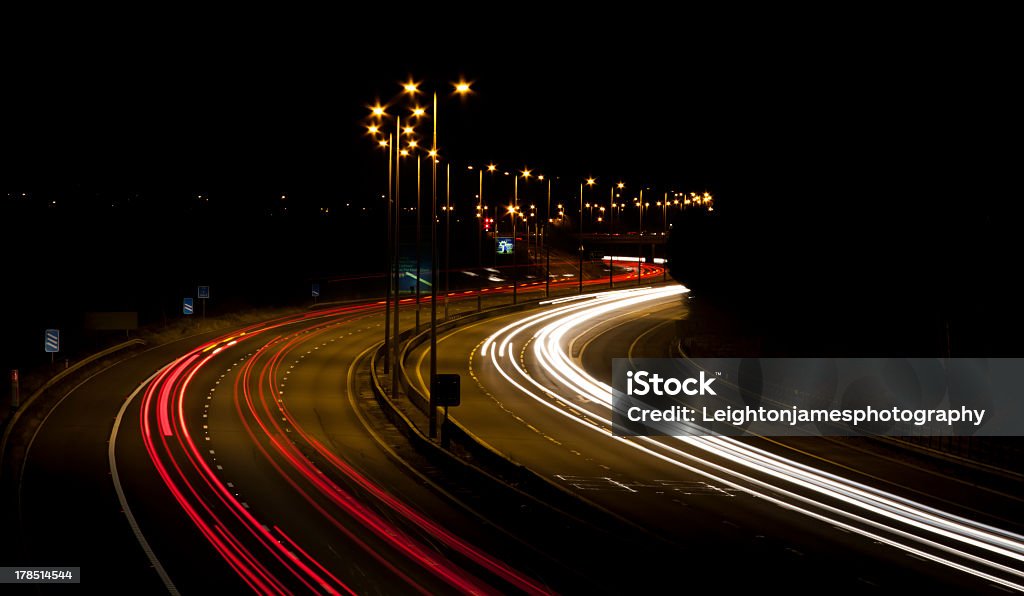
(491, 167)
(590, 182)
(411, 87)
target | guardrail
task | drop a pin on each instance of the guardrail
(507, 473)
(512, 483)
(57, 378)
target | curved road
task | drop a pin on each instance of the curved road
(536, 396)
(232, 479)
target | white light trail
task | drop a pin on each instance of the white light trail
(924, 531)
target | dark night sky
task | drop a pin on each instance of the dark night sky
(827, 140)
(773, 114)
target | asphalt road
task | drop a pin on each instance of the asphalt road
(362, 529)
(259, 461)
(703, 508)
(70, 514)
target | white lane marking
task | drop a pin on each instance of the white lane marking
(112, 458)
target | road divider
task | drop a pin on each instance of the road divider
(472, 461)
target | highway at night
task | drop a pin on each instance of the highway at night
(536, 400)
(249, 456)
(329, 307)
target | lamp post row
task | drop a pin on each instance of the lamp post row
(393, 286)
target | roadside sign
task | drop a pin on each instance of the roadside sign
(204, 292)
(186, 306)
(505, 245)
(51, 341)
(447, 391)
(316, 290)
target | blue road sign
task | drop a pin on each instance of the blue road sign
(316, 290)
(505, 246)
(51, 343)
(204, 291)
(186, 306)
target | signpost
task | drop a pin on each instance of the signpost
(15, 396)
(446, 388)
(51, 342)
(505, 245)
(204, 293)
(186, 306)
(316, 291)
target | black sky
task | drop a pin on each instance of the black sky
(824, 139)
(770, 113)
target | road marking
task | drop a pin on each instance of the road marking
(620, 484)
(112, 459)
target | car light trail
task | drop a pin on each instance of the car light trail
(246, 543)
(218, 513)
(165, 396)
(273, 398)
(981, 550)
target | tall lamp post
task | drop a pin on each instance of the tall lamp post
(479, 235)
(377, 113)
(447, 235)
(481, 214)
(590, 182)
(387, 275)
(461, 88)
(397, 269)
(512, 211)
(393, 275)
(664, 237)
(611, 220)
(432, 399)
(419, 227)
(411, 88)
(640, 240)
(526, 176)
(547, 245)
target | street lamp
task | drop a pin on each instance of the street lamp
(547, 245)
(639, 238)
(447, 235)
(397, 262)
(377, 111)
(611, 222)
(512, 210)
(419, 228)
(461, 88)
(526, 176)
(396, 152)
(432, 399)
(664, 237)
(590, 182)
